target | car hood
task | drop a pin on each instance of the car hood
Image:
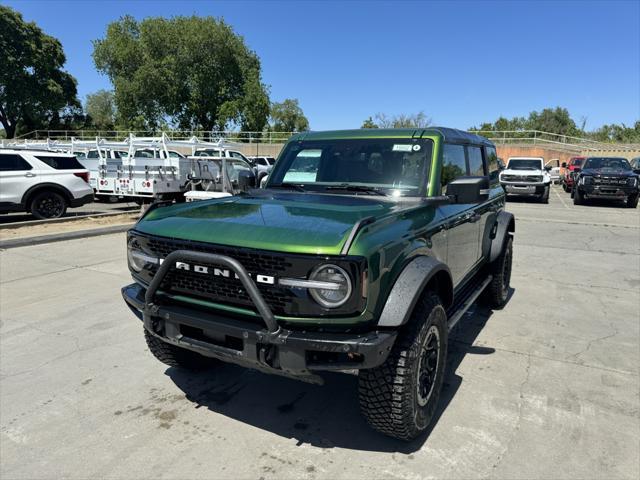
(287, 222)
(608, 172)
(514, 171)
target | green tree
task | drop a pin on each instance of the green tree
(194, 72)
(402, 120)
(553, 120)
(34, 89)
(369, 123)
(101, 110)
(287, 116)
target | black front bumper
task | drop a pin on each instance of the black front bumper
(614, 192)
(283, 352)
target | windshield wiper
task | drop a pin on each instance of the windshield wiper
(289, 186)
(357, 188)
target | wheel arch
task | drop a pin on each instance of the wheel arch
(420, 275)
(505, 225)
(33, 191)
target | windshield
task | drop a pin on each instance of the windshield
(609, 163)
(398, 167)
(576, 161)
(524, 164)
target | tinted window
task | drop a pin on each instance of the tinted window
(476, 167)
(524, 164)
(453, 164)
(607, 163)
(92, 154)
(398, 165)
(10, 162)
(61, 163)
(492, 164)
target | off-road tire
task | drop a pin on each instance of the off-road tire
(632, 201)
(544, 198)
(565, 187)
(175, 356)
(389, 394)
(578, 197)
(497, 292)
(48, 204)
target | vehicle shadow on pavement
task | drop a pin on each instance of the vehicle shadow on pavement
(323, 416)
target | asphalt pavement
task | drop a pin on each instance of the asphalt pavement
(547, 388)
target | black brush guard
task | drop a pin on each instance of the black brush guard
(272, 349)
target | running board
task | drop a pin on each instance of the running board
(468, 301)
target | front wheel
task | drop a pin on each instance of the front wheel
(175, 356)
(399, 398)
(544, 198)
(48, 204)
(632, 201)
(578, 197)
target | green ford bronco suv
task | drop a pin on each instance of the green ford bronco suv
(361, 253)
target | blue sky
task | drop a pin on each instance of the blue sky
(460, 62)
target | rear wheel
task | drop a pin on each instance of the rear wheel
(632, 201)
(399, 398)
(48, 204)
(176, 356)
(497, 292)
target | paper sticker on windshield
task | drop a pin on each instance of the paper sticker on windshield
(401, 147)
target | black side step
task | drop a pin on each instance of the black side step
(465, 299)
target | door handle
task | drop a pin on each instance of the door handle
(474, 217)
(29, 175)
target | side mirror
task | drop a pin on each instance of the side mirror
(547, 168)
(501, 165)
(469, 189)
(263, 182)
(636, 170)
(576, 169)
(246, 180)
(564, 165)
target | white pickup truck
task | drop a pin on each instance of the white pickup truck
(527, 176)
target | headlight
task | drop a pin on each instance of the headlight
(137, 258)
(632, 181)
(337, 289)
(586, 180)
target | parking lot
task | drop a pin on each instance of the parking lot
(548, 387)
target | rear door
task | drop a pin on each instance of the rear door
(17, 175)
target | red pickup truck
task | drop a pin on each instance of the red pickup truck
(567, 177)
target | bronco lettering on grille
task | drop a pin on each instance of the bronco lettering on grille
(222, 272)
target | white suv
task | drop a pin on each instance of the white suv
(43, 183)
(527, 176)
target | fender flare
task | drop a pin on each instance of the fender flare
(28, 195)
(410, 284)
(505, 225)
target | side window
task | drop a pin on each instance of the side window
(476, 167)
(233, 154)
(12, 163)
(492, 165)
(453, 164)
(61, 163)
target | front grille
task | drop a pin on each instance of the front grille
(610, 180)
(522, 178)
(219, 289)
(228, 290)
